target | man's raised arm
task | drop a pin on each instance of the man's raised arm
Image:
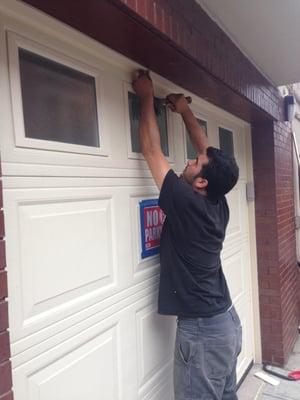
(148, 129)
(179, 104)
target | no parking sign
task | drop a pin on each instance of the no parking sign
(151, 220)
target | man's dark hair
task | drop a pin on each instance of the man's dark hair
(221, 172)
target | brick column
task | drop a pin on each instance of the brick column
(276, 246)
(5, 364)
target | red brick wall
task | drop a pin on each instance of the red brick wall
(286, 235)
(191, 29)
(276, 246)
(5, 365)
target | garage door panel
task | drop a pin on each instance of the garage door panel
(163, 391)
(243, 359)
(236, 267)
(234, 245)
(237, 225)
(234, 272)
(66, 378)
(33, 346)
(244, 309)
(47, 255)
(61, 373)
(155, 334)
(117, 346)
(66, 257)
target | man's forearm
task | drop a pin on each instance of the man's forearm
(197, 135)
(148, 128)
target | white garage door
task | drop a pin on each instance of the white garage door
(82, 300)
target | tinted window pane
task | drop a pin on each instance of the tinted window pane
(226, 141)
(134, 113)
(59, 103)
(190, 151)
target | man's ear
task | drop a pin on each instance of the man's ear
(200, 183)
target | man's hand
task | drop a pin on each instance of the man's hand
(142, 83)
(177, 103)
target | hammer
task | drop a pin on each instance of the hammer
(159, 103)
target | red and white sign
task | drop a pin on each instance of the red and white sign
(152, 220)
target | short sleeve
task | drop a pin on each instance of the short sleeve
(174, 193)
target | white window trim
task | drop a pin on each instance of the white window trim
(15, 42)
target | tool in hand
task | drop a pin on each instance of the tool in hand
(166, 102)
(159, 103)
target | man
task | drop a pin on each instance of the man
(192, 283)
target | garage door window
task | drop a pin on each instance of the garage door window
(134, 113)
(59, 102)
(226, 141)
(190, 151)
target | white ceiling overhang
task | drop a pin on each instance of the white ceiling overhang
(266, 31)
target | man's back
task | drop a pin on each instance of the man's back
(192, 282)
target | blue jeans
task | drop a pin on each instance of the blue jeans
(205, 358)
